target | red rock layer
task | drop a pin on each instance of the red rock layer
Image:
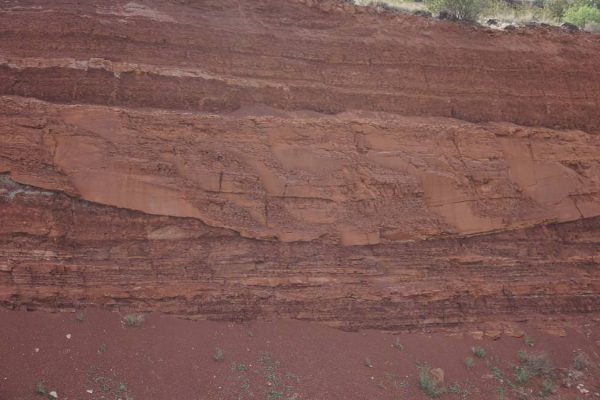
(242, 159)
(64, 252)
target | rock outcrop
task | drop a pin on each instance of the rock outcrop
(296, 159)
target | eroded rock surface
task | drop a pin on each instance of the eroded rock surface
(300, 159)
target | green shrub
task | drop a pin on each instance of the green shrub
(240, 367)
(581, 361)
(581, 16)
(522, 375)
(548, 387)
(465, 10)
(556, 8)
(469, 362)
(398, 345)
(79, 316)
(219, 354)
(478, 351)
(581, 3)
(428, 384)
(273, 394)
(133, 319)
(535, 363)
(40, 389)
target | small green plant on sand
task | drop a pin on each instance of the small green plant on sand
(521, 375)
(478, 351)
(548, 387)
(132, 320)
(273, 394)
(397, 345)
(469, 362)
(219, 354)
(528, 340)
(500, 393)
(240, 367)
(537, 364)
(40, 389)
(581, 361)
(428, 384)
(79, 316)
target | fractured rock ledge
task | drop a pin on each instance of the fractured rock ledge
(356, 178)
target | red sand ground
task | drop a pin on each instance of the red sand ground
(170, 358)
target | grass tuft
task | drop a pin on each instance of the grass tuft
(536, 363)
(397, 345)
(469, 362)
(581, 361)
(428, 384)
(240, 367)
(79, 316)
(219, 354)
(548, 387)
(478, 351)
(132, 320)
(521, 375)
(41, 389)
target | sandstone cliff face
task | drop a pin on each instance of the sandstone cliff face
(298, 159)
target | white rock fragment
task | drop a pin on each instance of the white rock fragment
(582, 389)
(37, 349)
(68, 336)
(53, 394)
(90, 391)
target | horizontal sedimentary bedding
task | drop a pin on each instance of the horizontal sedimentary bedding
(297, 159)
(322, 56)
(63, 252)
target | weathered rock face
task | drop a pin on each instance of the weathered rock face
(238, 159)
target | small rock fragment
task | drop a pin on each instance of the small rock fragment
(437, 374)
(68, 336)
(556, 331)
(477, 335)
(493, 334)
(514, 331)
(582, 389)
(570, 27)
